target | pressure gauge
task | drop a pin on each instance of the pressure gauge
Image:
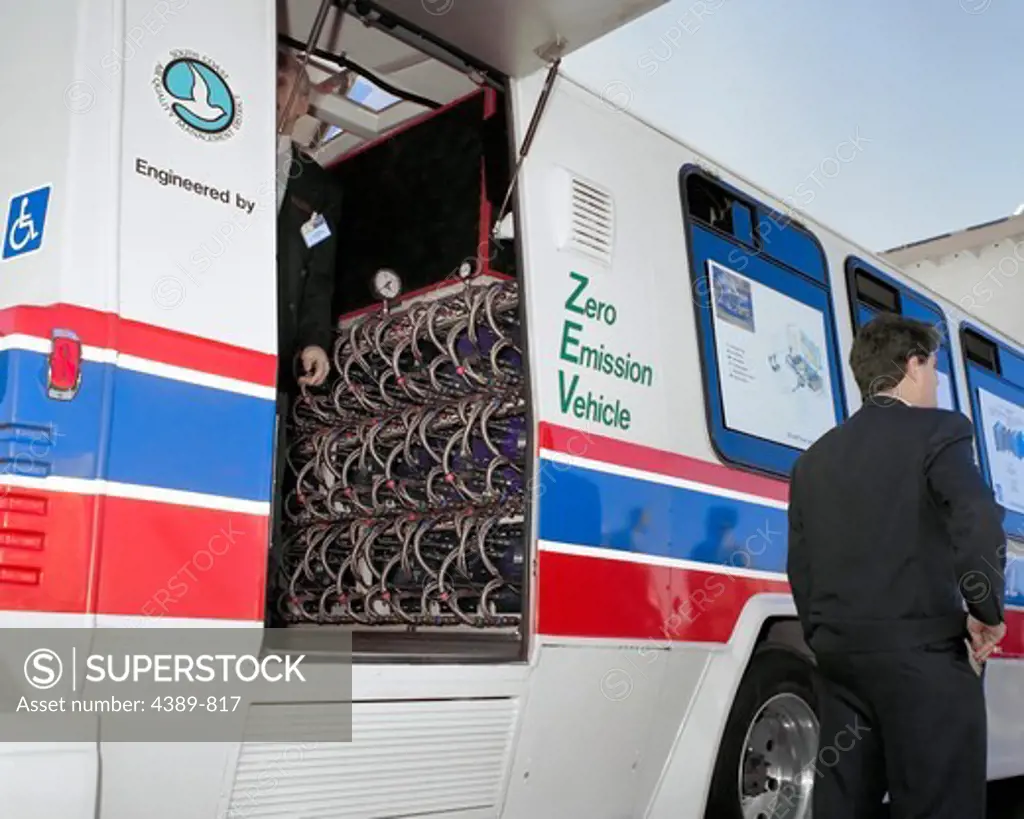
(387, 284)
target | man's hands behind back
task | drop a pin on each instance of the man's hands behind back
(984, 638)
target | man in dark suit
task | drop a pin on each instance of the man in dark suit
(308, 205)
(892, 531)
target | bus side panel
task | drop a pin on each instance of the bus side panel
(630, 627)
(58, 265)
(193, 410)
(647, 491)
(49, 447)
(189, 456)
(199, 217)
(35, 145)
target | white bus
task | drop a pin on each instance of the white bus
(669, 335)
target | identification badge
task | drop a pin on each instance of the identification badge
(315, 230)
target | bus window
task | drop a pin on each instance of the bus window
(768, 344)
(873, 292)
(980, 350)
(995, 382)
(785, 241)
(716, 208)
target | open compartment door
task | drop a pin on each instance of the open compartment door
(515, 37)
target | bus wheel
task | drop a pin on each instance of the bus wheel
(765, 766)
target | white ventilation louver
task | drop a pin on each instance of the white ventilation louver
(438, 758)
(586, 222)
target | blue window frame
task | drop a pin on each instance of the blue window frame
(727, 227)
(873, 292)
(998, 369)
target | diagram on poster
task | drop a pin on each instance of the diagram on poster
(772, 361)
(1003, 422)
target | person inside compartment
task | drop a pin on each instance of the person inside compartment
(308, 215)
(308, 206)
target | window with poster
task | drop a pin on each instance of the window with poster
(995, 382)
(873, 292)
(769, 348)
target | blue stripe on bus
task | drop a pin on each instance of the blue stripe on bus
(593, 508)
(163, 433)
(46, 436)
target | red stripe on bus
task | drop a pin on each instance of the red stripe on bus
(45, 550)
(592, 596)
(596, 597)
(1013, 644)
(96, 328)
(165, 560)
(154, 559)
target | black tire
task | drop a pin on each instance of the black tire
(773, 670)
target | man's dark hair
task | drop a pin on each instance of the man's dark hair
(883, 347)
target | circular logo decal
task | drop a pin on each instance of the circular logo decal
(195, 92)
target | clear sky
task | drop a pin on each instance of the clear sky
(772, 89)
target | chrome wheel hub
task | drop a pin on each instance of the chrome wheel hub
(776, 771)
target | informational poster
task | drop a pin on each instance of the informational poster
(945, 392)
(1003, 422)
(772, 361)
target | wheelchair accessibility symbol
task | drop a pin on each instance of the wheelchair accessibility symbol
(26, 218)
